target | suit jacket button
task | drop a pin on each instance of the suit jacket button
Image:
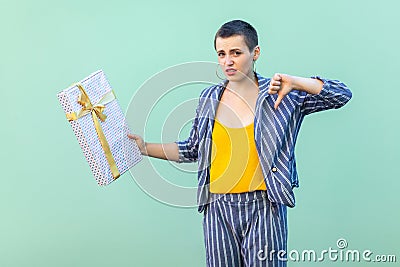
(274, 169)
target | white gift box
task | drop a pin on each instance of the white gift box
(87, 101)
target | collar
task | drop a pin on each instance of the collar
(262, 83)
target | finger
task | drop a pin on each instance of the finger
(277, 77)
(274, 89)
(276, 83)
(278, 101)
(132, 136)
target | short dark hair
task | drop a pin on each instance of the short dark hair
(238, 27)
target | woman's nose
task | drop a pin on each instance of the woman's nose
(228, 61)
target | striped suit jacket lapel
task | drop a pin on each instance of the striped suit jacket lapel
(270, 141)
(207, 117)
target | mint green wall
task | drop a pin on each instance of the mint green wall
(54, 214)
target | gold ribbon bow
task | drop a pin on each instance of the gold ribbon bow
(97, 113)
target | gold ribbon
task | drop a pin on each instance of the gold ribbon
(97, 113)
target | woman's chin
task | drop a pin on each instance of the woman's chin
(238, 77)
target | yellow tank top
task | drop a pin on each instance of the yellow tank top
(235, 166)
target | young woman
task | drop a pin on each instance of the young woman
(243, 136)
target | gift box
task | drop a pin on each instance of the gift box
(100, 127)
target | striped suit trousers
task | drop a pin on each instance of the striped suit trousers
(245, 229)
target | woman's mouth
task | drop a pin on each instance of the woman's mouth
(230, 71)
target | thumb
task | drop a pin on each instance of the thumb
(278, 101)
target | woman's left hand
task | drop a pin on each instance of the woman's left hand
(280, 84)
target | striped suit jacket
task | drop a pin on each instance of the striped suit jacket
(275, 134)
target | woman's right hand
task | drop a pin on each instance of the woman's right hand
(140, 142)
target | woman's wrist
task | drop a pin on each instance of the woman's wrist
(144, 150)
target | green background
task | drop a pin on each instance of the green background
(54, 214)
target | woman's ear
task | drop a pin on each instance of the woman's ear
(256, 52)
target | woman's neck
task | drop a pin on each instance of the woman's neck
(245, 85)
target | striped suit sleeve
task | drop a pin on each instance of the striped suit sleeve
(334, 95)
(188, 149)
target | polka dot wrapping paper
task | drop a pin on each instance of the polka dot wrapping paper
(125, 151)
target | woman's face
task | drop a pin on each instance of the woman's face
(234, 57)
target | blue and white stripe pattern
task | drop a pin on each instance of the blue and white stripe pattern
(275, 133)
(245, 229)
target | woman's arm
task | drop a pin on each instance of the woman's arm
(167, 151)
(308, 85)
(179, 151)
(313, 94)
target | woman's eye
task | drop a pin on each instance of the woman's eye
(237, 53)
(220, 54)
